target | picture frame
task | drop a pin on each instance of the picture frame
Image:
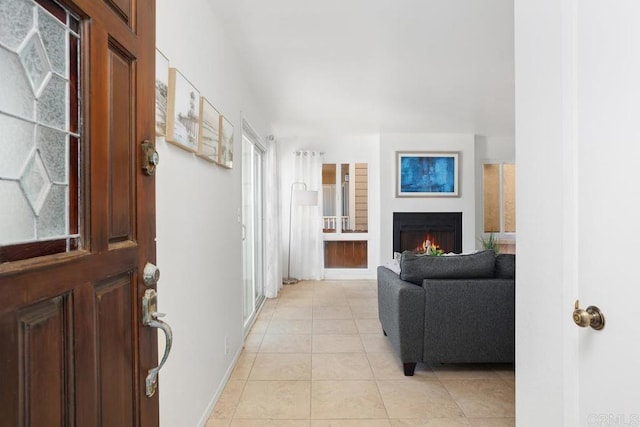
(182, 112)
(209, 132)
(427, 174)
(225, 153)
(162, 88)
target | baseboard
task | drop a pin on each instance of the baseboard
(218, 393)
(349, 274)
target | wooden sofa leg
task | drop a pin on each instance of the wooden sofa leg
(409, 369)
(384, 332)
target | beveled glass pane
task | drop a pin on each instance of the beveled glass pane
(52, 219)
(509, 197)
(35, 63)
(344, 211)
(35, 183)
(16, 216)
(38, 171)
(52, 104)
(16, 143)
(53, 148)
(73, 23)
(17, 96)
(16, 20)
(54, 38)
(491, 197)
(74, 106)
(54, 9)
(355, 181)
(329, 207)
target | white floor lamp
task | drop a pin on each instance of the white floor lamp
(303, 197)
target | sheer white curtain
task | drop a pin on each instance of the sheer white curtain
(273, 269)
(307, 262)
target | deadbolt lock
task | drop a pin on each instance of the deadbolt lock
(150, 157)
(592, 316)
(150, 274)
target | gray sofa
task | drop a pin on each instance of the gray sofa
(449, 309)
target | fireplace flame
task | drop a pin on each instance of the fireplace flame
(427, 245)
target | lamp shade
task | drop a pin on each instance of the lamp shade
(305, 198)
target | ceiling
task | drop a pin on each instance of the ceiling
(377, 66)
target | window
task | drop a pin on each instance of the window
(345, 207)
(499, 198)
(40, 140)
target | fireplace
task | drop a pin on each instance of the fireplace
(412, 229)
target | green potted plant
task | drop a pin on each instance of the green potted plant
(490, 242)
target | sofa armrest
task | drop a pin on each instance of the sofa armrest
(401, 312)
(469, 320)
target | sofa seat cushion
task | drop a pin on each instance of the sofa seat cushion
(415, 268)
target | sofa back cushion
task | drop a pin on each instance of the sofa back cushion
(506, 266)
(415, 268)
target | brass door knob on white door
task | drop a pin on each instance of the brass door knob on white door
(592, 316)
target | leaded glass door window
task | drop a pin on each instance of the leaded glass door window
(39, 134)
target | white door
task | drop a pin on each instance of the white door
(577, 147)
(608, 208)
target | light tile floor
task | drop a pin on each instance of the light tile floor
(316, 357)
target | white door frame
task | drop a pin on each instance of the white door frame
(250, 135)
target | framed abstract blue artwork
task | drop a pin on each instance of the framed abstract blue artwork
(427, 174)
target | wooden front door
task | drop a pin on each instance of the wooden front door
(77, 215)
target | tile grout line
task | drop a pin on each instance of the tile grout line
(235, 409)
(384, 405)
(464, 414)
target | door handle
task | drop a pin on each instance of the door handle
(592, 316)
(150, 317)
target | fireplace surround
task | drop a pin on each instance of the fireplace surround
(411, 229)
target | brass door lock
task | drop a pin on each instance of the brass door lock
(150, 157)
(592, 316)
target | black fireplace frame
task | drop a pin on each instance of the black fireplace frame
(437, 221)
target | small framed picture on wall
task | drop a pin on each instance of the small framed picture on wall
(209, 134)
(182, 112)
(162, 89)
(225, 155)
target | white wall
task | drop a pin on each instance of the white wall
(337, 148)
(198, 234)
(389, 144)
